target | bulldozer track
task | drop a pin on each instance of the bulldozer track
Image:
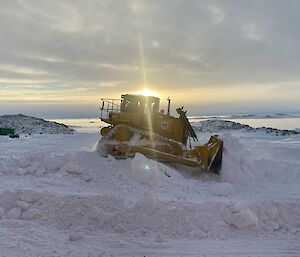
(152, 135)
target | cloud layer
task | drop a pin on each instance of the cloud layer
(57, 52)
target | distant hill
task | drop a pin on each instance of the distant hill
(30, 125)
(215, 126)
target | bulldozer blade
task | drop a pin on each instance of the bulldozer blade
(216, 162)
(162, 156)
(209, 155)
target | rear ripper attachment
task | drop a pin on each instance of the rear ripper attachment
(137, 126)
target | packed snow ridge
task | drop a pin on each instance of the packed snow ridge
(215, 125)
(30, 125)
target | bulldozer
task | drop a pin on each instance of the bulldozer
(137, 125)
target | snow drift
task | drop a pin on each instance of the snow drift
(83, 191)
(54, 196)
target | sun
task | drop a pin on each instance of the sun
(147, 92)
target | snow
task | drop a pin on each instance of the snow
(58, 197)
(222, 189)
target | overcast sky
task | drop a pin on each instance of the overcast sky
(59, 57)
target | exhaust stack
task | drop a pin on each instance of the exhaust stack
(169, 104)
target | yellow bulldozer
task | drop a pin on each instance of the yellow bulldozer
(138, 126)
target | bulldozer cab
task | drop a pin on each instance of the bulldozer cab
(139, 104)
(142, 112)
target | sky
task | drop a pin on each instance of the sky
(59, 57)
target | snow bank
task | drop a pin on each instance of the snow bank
(30, 125)
(216, 126)
(239, 164)
(250, 161)
(149, 215)
(80, 195)
(141, 197)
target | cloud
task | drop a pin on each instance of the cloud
(192, 44)
(252, 32)
(217, 14)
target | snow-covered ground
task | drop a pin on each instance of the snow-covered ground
(60, 198)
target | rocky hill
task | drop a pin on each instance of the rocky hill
(216, 126)
(30, 125)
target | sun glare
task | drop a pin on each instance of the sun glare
(147, 92)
